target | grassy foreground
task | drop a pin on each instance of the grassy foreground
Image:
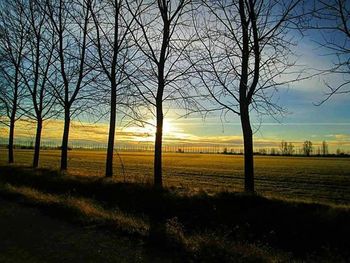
(223, 227)
(314, 179)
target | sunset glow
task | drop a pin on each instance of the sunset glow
(174, 131)
(190, 131)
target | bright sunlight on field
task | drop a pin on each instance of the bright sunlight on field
(316, 179)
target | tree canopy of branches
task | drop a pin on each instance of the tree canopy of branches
(287, 148)
(36, 70)
(70, 22)
(244, 57)
(111, 37)
(307, 148)
(162, 39)
(332, 19)
(13, 38)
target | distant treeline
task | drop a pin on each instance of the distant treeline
(285, 149)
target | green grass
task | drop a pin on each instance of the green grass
(314, 179)
(222, 227)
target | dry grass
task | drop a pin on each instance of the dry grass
(83, 209)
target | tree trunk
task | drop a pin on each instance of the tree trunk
(11, 136)
(39, 127)
(111, 134)
(248, 149)
(158, 182)
(64, 147)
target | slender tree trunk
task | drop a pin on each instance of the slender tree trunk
(39, 127)
(248, 149)
(111, 134)
(13, 120)
(11, 137)
(158, 182)
(244, 105)
(64, 147)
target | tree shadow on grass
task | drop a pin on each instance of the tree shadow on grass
(295, 227)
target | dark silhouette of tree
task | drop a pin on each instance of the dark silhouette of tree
(13, 38)
(70, 21)
(36, 69)
(339, 152)
(245, 51)
(284, 148)
(287, 148)
(324, 148)
(273, 151)
(307, 148)
(162, 40)
(291, 149)
(332, 19)
(112, 40)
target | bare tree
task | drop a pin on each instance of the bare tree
(162, 39)
(112, 41)
(284, 148)
(307, 148)
(70, 20)
(332, 19)
(244, 58)
(36, 70)
(324, 148)
(290, 148)
(13, 30)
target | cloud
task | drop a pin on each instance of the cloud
(85, 133)
(342, 137)
(82, 131)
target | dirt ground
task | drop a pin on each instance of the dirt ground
(28, 235)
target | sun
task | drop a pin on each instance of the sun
(167, 126)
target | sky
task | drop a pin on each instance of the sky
(302, 121)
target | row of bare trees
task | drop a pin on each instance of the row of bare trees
(307, 149)
(65, 58)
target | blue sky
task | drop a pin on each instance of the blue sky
(303, 120)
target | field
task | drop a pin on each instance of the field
(314, 179)
(301, 214)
